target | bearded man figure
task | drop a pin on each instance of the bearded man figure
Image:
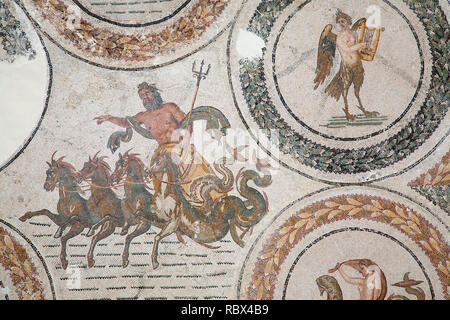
(162, 122)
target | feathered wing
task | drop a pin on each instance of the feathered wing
(325, 55)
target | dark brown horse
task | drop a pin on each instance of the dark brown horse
(137, 205)
(103, 201)
(170, 211)
(72, 208)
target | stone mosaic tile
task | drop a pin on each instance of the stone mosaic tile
(434, 184)
(218, 149)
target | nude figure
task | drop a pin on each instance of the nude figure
(346, 43)
(162, 120)
(351, 70)
(372, 285)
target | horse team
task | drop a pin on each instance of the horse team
(166, 208)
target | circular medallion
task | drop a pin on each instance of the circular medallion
(132, 13)
(25, 82)
(294, 56)
(134, 34)
(23, 272)
(317, 245)
(347, 99)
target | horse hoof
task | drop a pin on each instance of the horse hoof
(123, 232)
(155, 265)
(24, 217)
(239, 242)
(91, 263)
(64, 264)
(125, 263)
(90, 233)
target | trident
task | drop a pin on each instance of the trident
(200, 75)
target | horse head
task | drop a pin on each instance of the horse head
(128, 164)
(159, 163)
(120, 169)
(58, 172)
(52, 176)
(92, 166)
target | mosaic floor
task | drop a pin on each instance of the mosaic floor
(218, 149)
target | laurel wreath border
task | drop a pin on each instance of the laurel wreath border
(439, 175)
(434, 184)
(343, 161)
(354, 206)
(105, 43)
(23, 273)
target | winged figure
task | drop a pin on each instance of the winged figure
(351, 70)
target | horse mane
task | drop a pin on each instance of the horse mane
(66, 165)
(135, 157)
(102, 163)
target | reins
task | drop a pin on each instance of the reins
(55, 183)
(123, 181)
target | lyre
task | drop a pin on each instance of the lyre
(371, 35)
